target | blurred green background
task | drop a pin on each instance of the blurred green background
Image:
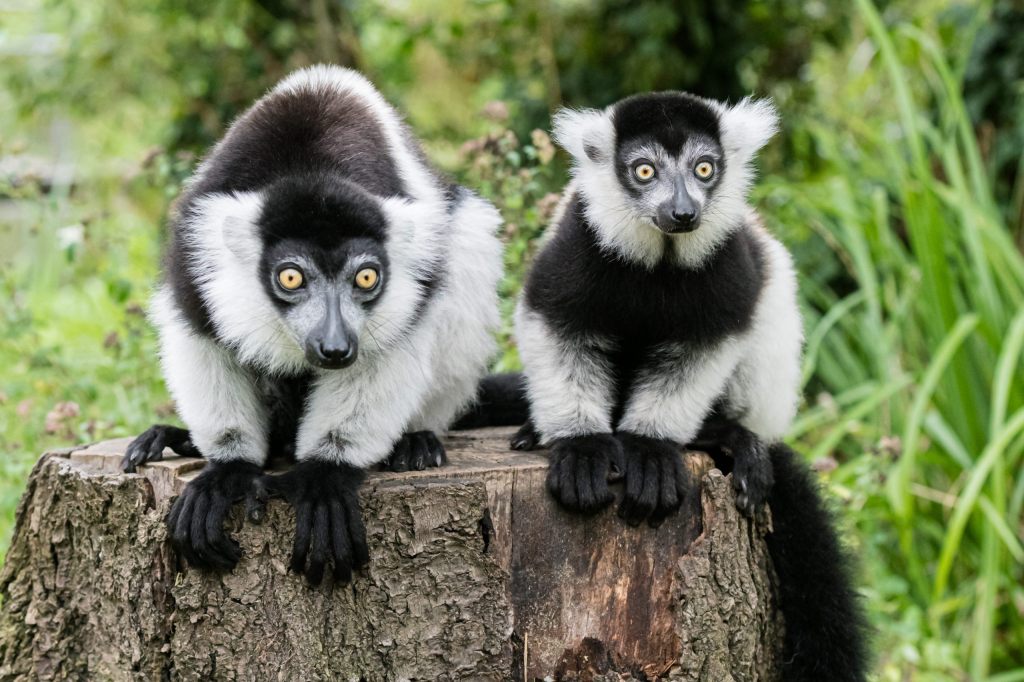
(898, 182)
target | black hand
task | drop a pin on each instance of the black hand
(416, 451)
(149, 447)
(196, 520)
(328, 521)
(578, 475)
(752, 473)
(657, 481)
(525, 438)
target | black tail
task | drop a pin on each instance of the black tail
(501, 401)
(826, 629)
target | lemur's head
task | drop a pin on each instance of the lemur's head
(665, 164)
(310, 271)
(323, 263)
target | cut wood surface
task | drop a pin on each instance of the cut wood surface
(475, 574)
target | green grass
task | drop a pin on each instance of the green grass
(917, 352)
(912, 288)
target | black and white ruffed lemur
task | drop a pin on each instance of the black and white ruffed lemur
(659, 313)
(327, 295)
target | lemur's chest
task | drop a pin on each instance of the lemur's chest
(582, 290)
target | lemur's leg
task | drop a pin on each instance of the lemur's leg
(667, 404)
(570, 387)
(353, 419)
(217, 400)
(762, 395)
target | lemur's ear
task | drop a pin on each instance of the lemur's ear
(587, 134)
(237, 215)
(747, 126)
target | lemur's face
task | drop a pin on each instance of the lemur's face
(324, 298)
(665, 163)
(323, 266)
(670, 187)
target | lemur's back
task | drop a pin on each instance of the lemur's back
(308, 128)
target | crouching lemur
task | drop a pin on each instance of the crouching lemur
(661, 313)
(326, 295)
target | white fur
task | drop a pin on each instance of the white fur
(672, 397)
(213, 394)
(227, 248)
(568, 381)
(464, 315)
(765, 389)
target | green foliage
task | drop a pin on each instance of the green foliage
(897, 184)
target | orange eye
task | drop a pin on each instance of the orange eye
(290, 278)
(643, 172)
(704, 170)
(366, 278)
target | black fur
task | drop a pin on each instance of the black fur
(195, 523)
(415, 452)
(826, 629)
(501, 401)
(149, 447)
(668, 117)
(657, 482)
(329, 528)
(579, 471)
(581, 289)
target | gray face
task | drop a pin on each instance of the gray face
(325, 311)
(670, 189)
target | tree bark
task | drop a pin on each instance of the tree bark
(474, 574)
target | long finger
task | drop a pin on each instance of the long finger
(303, 529)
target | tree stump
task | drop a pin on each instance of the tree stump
(475, 574)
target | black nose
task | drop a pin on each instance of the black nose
(673, 220)
(334, 355)
(684, 218)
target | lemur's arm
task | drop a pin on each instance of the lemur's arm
(216, 398)
(353, 419)
(571, 392)
(668, 402)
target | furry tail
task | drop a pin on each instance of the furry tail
(826, 629)
(501, 401)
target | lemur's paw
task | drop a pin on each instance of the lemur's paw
(525, 438)
(752, 476)
(328, 521)
(196, 520)
(657, 481)
(149, 447)
(416, 451)
(578, 475)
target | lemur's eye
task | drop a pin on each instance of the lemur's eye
(704, 170)
(366, 278)
(644, 172)
(290, 278)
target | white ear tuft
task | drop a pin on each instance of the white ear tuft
(748, 125)
(237, 215)
(585, 133)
